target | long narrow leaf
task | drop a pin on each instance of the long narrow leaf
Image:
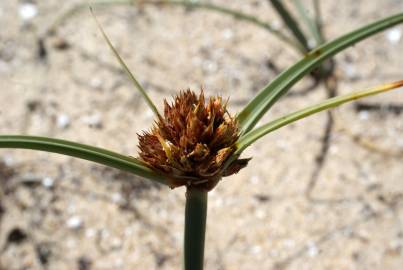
(95, 154)
(318, 19)
(237, 14)
(291, 23)
(257, 133)
(124, 66)
(257, 107)
(309, 22)
(52, 28)
(185, 3)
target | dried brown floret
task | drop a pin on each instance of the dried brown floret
(192, 141)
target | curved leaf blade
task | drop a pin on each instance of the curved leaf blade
(87, 152)
(126, 68)
(257, 133)
(291, 23)
(268, 96)
(237, 14)
(309, 21)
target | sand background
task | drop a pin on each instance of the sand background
(63, 213)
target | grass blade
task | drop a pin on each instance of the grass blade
(291, 23)
(124, 66)
(257, 133)
(237, 14)
(234, 13)
(87, 152)
(75, 9)
(318, 19)
(260, 104)
(309, 22)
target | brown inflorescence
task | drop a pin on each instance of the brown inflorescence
(192, 141)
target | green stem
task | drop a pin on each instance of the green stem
(195, 228)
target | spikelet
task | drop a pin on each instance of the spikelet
(192, 141)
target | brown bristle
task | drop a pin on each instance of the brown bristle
(192, 140)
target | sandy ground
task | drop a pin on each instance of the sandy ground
(62, 213)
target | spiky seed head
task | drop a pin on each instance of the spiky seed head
(191, 142)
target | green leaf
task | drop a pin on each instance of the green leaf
(257, 133)
(77, 8)
(259, 105)
(291, 23)
(87, 152)
(124, 66)
(311, 23)
(237, 14)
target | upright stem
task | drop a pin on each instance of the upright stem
(195, 228)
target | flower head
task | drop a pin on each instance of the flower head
(191, 143)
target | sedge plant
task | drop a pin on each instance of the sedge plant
(195, 142)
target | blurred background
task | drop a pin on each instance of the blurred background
(324, 193)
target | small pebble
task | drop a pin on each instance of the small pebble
(255, 179)
(334, 149)
(350, 71)
(93, 120)
(48, 182)
(276, 24)
(63, 121)
(96, 83)
(210, 66)
(149, 113)
(260, 214)
(312, 43)
(8, 160)
(116, 243)
(218, 202)
(394, 35)
(256, 249)
(312, 249)
(117, 198)
(228, 33)
(74, 223)
(363, 115)
(283, 145)
(119, 263)
(28, 11)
